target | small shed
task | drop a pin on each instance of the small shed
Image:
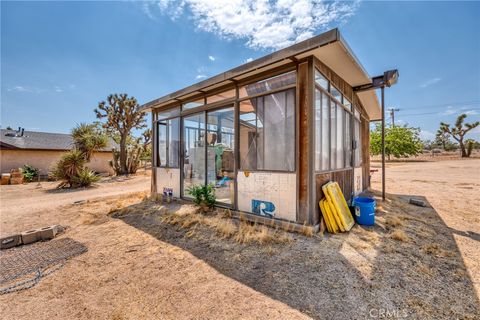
(269, 133)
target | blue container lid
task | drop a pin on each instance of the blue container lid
(363, 200)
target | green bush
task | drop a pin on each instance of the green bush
(29, 173)
(68, 167)
(203, 194)
(85, 178)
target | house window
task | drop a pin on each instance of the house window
(321, 80)
(358, 138)
(267, 132)
(168, 143)
(193, 104)
(277, 82)
(333, 136)
(169, 113)
(228, 94)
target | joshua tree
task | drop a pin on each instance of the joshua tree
(122, 114)
(442, 138)
(458, 131)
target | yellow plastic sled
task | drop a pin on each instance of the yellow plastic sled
(332, 226)
(335, 209)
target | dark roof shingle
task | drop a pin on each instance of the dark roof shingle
(38, 140)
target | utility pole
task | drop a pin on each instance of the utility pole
(392, 115)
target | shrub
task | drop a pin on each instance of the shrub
(67, 167)
(29, 173)
(203, 195)
(85, 178)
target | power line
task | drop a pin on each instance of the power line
(474, 102)
(438, 113)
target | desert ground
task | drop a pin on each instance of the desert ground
(149, 260)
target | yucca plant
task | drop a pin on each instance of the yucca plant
(67, 167)
(203, 195)
(85, 178)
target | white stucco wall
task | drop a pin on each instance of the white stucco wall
(45, 159)
(280, 189)
(357, 180)
(168, 178)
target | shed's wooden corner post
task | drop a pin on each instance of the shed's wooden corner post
(306, 181)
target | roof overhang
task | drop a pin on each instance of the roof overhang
(329, 47)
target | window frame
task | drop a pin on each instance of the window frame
(277, 90)
(347, 163)
(167, 147)
(358, 140)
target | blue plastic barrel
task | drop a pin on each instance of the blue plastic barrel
(364, 210)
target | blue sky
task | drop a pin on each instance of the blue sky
(59, 59)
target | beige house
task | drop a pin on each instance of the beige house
(41, 150)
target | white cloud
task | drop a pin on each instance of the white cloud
(455, 110)
(426, 135)
(200, 76)
(262, 23)
(19, 89)
(430, 82)
(211, 58)
(28, 89)
(25, 89)
(248, 60)
(449, 111)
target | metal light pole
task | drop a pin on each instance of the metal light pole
(388, 79)
(383, 143)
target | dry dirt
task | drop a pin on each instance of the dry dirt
(414, 263)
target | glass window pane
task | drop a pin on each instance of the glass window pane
(247, 126)
(358, 139)
(267, 137)
(333, 135)
(193, 104)
(173, 142)
(347, 103)
(357, 114)
(260, 133)
(266, 85)
(194, 162)
(325, 132)
(340, 138)
(278, 132)
(221, 96)
(318, 130)
(321, 80)
(170, 113)
(336, 94)
(220, 153)
(162, 144)
(348, 140)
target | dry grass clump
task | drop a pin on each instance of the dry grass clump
(226, 228)
(434, 249)
(306, 230)
(399, 235)
(244, 232)
(424, 269)
(393, 221)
